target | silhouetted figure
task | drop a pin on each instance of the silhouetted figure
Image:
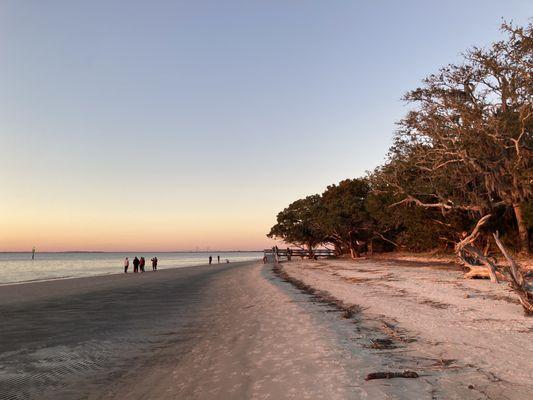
(33, 253)
(136, 265)
(126, 264)
(154, 264)
(218, 258)
(141, 264)
(289, 254)
(265, 259)
(210, 260)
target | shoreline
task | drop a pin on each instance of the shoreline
(57, 288)
(62, 278)
(164, 268)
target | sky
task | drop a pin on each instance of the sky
(184, 125)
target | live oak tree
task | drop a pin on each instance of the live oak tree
(343, 216)
(298, 223)
(471, 131)
(470, 139)
(411, 228)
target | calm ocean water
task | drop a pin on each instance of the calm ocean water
(19, 267)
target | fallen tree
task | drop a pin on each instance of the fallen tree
(469, 253)
(516, 278)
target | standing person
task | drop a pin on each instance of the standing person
(154, 264)
(141, 264)
(33, 253)
(210, 260)
(218, 258)
(136, 264)
(126, 264)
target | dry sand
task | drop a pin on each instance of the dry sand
(468, 338)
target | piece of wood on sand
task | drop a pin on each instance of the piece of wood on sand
(389, 375)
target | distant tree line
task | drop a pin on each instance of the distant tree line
(459, 175)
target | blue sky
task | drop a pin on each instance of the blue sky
(181, 120)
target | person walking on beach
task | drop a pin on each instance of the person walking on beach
(136, 264)
(210, 260)
(126, 265)
(154, 264)
(218, 258)
(141, 264)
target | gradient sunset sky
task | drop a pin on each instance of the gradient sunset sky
(172, 125)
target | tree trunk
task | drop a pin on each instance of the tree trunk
(523, 235)
(486, 250)
(516, 279)
(353, 252)
(338, 249)
(310, 250)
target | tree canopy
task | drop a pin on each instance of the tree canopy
(463, 151)
(459, 174)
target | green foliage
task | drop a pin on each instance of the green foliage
(298, 223)
(343, 216)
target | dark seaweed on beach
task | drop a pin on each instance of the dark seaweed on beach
(390, 375)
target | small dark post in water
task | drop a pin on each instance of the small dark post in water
(33, 253)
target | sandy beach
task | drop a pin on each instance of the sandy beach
(241, 331)
(465, 338)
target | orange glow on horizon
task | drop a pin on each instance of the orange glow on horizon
(98, 234)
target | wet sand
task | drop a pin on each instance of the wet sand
(221, 331)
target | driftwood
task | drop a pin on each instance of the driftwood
(480, 272)
(390, 375)
(382, 344)
(472, 256)
(468, 252)
(516, 279)
(489, 268)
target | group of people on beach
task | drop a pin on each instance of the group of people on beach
(218, 260)
(138, 264)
